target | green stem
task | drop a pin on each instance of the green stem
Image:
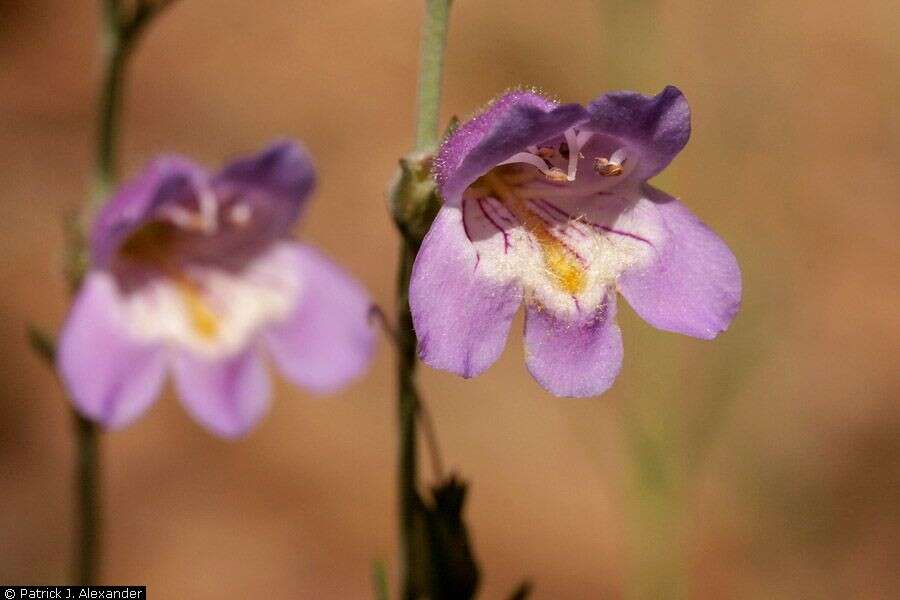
(412, 553)
(115, 60)
(119, 35)
(431, 68)
(86, 560)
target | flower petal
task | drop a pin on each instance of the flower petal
(658, 126)
(694, 285)
(167, 179)
(461, 318)
(327, 341)
(573, 359)
(282, 176)
(227, 396)
(111, 377)
(510, 124)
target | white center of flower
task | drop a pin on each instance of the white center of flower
(213, 311)
(565, 238)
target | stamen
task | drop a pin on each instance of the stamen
(180, 216)
(552, 173)
(574, 147)
(557, 174)
(539, 157)
(612, 166)
(209, 212)
(240, 214)
(205, 221)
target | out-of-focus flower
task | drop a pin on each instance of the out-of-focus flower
(548, 203)
(196, 273)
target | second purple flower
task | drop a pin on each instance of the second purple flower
(195, 273)
(547, 204)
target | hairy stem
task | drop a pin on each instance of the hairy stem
(431, 69)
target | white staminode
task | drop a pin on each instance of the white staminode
(574, 148)
(575, 142)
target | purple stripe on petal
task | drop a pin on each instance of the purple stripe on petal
(461, 317)
(227, 396)
(573, 359)
(328, 340)
(111, 377)
(493, 222)
(657, 126)
(694, 286)
(509, 125)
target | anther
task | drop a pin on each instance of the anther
(556, 174)
(612, 166)
(552, 173)
(606, 168)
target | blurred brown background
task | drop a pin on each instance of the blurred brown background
(766, 463)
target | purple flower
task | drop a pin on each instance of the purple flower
(548, 204)
(196, 273)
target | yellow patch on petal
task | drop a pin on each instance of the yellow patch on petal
(566, 271)
(560, 262)
(154, 243)
(203, 319)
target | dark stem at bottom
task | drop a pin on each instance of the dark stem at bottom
(87, 494)
(408, 406)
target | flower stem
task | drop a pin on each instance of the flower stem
(110, 109)
(431, 68)
(87, 512)
(408, 405)
(119, 32)
(413, 550)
